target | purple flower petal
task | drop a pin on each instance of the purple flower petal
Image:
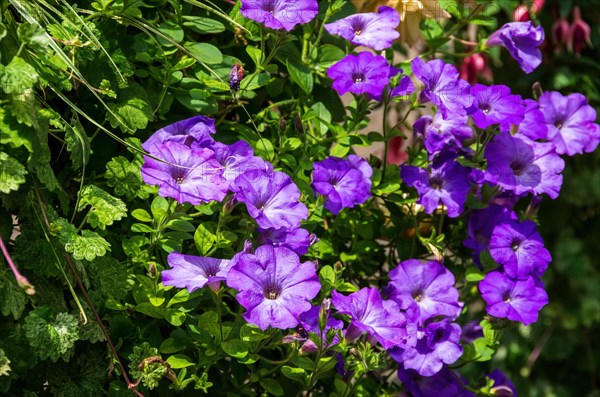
(522, 40)
(194, 272)
(364, 73)
(280, 14)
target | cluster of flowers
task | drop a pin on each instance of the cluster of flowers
(416, 323)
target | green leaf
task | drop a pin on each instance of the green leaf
(203, 25)
(35, 38)
(78, 145)
(172, 30)
(12, 297)
(178, 361)
(17, 76)
(264, 148)
(110, 277)
(235, 348)
(126, 179)
(300, 75)
(207, 53)
(141, 215)
(327, 277)
(51, 337)
(4, 364)
(254, 81)
(474, 275)
(149, 371)
(89, 245)
(12, 173)
(256, 55)
(329, 54)
(205, 238)
(272, 386)
(175, 316)
(297, 374)
(323, 117)
(132, 112)
(105, 208)
(251, 333)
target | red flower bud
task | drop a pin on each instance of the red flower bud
(474, 66)
(560, 33)
(580, 33)
(521, 14)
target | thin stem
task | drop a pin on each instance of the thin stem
(21, 280)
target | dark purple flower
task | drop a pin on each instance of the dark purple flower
(495, 105)
(364, 73)
(379, 318)
(298, 240)
(271, 199)
(447, 184)
(235, 76)
(571, 123)
(443, 133)
(522, 40)
(280, 14)
(437, 345)
(427, 284)
(273, 286)
(517, 300)
(197, 129)
(370, 29)
(471, 331)
(344, 182)
(189, 175)
(443, 384)
(194, 272)
(443, 87)
(519, 165)
(481, 225)
(520, 249)
(503, 387)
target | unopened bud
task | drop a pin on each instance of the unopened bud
(235, 77)
(579, 34)
(560, 34)
(521, 14)
(152, 269)
(324, 313)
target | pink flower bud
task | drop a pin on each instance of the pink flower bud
(474, 66)
(397, 151)
(521, 14)
(537, 6)
(580, 33)
(560, 33)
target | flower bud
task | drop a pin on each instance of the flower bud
(560, 33)
(579, 34)
(152, 269)
(235, 77)
(324, 313)
(474, 66)
(521, 14)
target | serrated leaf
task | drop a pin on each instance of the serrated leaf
(52, 337)
(105, 208)
(12, 173)
(12, 297)
(4, 364)
(110, 277)
(125, 177)
(34, 37)
(17, 77)
(149, 371)
(78, 145)
(89, 245)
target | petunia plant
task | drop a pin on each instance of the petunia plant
(272, 197)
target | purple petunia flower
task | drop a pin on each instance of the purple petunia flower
(571, 123)
(298, 240)
(379, 318)
(495, 105)
(520, 249)
(448, 183)
(481, 225)
(519, 165)
(502, 384)
(310, 323)
(237, 159)
(197, 129)
(344, 182)
(273, 286)
(428, 285)
(445, 383)
(533, 125)
(438, 345)
(522, 40)
(517, 300)
(374, 30)
(364, 73)
(194, 272)
(443, 87)
(405, 86)
(443, 133)
(280, 14)
(186, 174)
(271, 199)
